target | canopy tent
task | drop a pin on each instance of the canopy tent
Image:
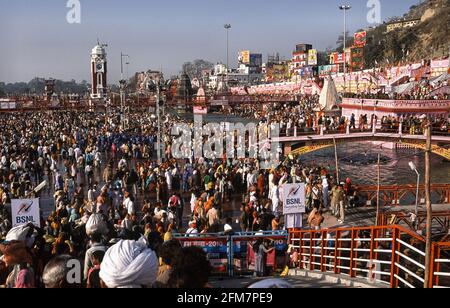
(404, 88)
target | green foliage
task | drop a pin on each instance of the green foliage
(194, 69)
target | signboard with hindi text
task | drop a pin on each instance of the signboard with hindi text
(293, 196)
(24, 211)
(312, 57)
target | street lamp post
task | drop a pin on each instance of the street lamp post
(123, 85)
(414, 168)
(345, 8)
(227, 28)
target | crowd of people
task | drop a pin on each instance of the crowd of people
(116, 208)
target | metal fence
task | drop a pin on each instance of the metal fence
(232, 254)
(390, 255)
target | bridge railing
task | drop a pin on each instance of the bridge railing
(390, 255)
(402, 194)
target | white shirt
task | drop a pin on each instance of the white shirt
(193, 200)
(91, 195)
(192, 232)
(77, 152)
(129, 205)
(275, 197)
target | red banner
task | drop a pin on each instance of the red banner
(360, 39)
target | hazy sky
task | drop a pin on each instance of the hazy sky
(36, 39)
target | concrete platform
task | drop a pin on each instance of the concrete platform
(300, 279)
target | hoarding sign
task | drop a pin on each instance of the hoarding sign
(244, 57)
(312, 57)
(293, 198)
(24, 211)
(361, 39)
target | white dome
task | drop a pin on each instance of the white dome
(98, 50)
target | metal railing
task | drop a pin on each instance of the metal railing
(232, 254)
(403, 194)
(390, 255)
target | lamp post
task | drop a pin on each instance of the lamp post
(345, 8)
(157, 85)
(227, 28)
(121, 63)
(123, 85)
(128, 65)
(414, 168)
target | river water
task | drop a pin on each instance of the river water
(394, 168)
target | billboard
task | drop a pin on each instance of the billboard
(337, 58)
(294, 198)
(328, 69)
(357, 58)
(312, 57)
(24, 211)
(244, 57)
(360, 39)
(256, 59)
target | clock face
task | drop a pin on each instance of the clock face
(99, 66)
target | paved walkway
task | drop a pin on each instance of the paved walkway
(300, 279)
(296, 282)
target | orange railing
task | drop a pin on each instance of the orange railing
(390, 255)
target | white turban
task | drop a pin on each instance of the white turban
(129, 264)
(20, 233)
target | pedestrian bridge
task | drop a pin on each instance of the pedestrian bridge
(303, 143)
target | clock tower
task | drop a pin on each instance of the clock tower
(98, 71)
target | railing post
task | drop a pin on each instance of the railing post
(321, 130)
(400, 129)
(393, 266)
(432, 262)
(301, 251)
(374, 125)
(295, 131)
(338, 243)
(372, 244)
(322, 266)
(352, 252)
(336, 252)
(347, 132)
(311, 265)
(230, 256)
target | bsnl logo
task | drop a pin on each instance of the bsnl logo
(292, 198)
(23, 214)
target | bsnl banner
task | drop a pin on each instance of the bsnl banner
(293, 198)
(24, 211)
